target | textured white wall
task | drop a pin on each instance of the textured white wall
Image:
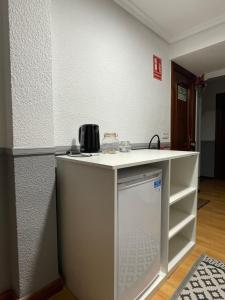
(36, 222)
(102, 72)
(31, 180)
(208, 125)
(30, 54)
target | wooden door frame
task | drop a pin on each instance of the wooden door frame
(192, 106)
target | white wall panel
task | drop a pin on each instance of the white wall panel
(102, 72)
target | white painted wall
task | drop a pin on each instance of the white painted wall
(102, 72)
(31, 73)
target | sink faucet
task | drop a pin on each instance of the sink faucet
(158, 143)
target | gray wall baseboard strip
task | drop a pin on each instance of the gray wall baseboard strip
(28, 151)
(136, 146)
(16, 152)
(60, 150)
(33, 151)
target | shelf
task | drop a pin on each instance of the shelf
(181, 243)
(179, 247)
(178, 220)
(178, 192)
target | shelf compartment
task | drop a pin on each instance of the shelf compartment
(181, 244)
(178, 220)
(178, 192)
(183, 177)
(182, 213)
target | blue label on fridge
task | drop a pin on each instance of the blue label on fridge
(157, 183)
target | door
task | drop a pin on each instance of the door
(139, 235)
(220, 137)
(183, 108)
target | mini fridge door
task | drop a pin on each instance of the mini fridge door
(139, 235)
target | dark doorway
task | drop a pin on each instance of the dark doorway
(183, 110)
(220, 137)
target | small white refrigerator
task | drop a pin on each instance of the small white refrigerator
(139, 230)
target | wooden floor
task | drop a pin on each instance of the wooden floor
(210, 238)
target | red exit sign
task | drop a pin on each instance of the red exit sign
(157, 67)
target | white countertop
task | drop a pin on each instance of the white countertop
(128, 159)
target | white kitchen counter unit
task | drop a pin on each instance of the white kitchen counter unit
(87, 191)
(128, 159)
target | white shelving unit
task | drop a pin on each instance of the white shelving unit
(182, 208)
(88, 204)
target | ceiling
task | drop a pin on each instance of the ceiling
(174, 20)
(204, 61)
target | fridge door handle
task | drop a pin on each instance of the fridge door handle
(123, 186)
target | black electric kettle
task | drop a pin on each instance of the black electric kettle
(89, 138)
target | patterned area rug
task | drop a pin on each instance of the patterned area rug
(205, 281)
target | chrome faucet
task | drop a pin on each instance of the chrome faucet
(158, 143)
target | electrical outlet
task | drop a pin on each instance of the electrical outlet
(165, 135)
